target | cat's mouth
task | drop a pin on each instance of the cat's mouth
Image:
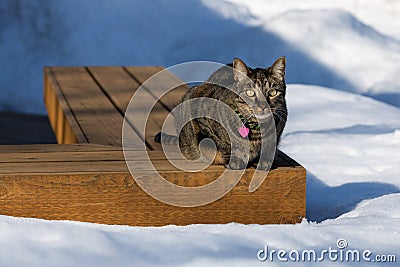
(256, 116)
(262, 117)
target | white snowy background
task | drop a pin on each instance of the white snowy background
(343, 73)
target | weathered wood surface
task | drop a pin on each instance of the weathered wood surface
(91, 183)
(85, 177)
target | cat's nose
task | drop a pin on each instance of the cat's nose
(261, 106)
(262, 110)
(266, 109)
(259, 110)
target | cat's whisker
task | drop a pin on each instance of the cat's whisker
(280, 116)
(280, 111)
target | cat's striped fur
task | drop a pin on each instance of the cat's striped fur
(251, 96)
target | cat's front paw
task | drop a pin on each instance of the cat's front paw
(264, 166)
(236, 164)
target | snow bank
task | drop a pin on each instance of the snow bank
(376, 13)
(364, 58)
(45, 243)
(349, 145)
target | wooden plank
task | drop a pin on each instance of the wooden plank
(168, 80)
(64, 153)
(59, 167)
(73, 162)
(77, 156)
(95, 163)
(63, 122)
(116, 83)
(120, 87)
(115, 198)
(45, 148)
(86, 152)
(142, 73)
(62, 156)
(96, 115)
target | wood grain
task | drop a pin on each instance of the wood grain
(98, 118)
(62, 120)
(120, 87)
(111, 196)
(116, 199)
(164, 83)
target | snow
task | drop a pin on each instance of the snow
(348, 143)
(346, 45)
(343, 126)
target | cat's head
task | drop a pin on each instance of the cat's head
(260, 90)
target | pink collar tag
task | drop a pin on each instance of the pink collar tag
(244, 131)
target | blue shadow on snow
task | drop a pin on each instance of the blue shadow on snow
(326, 202)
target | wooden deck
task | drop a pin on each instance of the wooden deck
(85, 176)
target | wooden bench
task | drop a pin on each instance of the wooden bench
(85, 176)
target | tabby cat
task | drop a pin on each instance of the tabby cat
(252, 92)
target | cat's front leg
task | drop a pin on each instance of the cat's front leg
(264, 165)
(188, 142)
(267, 149)
(236, 164)
(265, 160)
(237, 161)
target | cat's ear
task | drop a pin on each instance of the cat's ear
(278, 68)
(240, 70)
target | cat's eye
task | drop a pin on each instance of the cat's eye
(250, 92)
(272, 92)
